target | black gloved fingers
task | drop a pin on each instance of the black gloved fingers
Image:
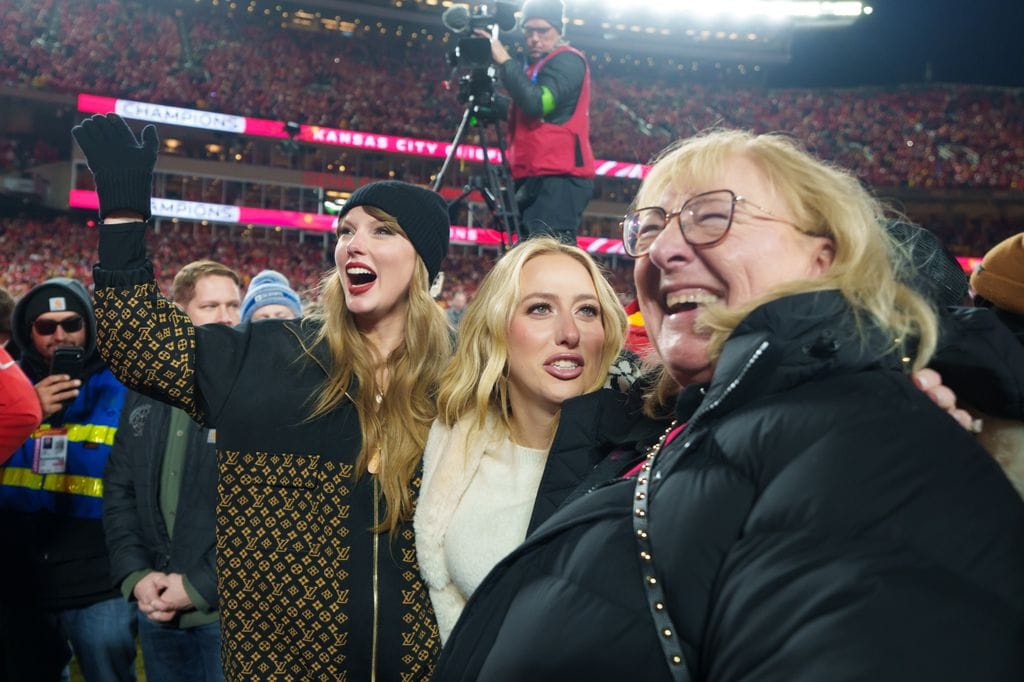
(121, 164)
(114, 130)
(91, 140)
(107, 141)
(150, 139)
(85, 134)
(96, 130)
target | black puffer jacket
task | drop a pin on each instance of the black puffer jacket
(818, 519)
(982, 360)
(600, 436)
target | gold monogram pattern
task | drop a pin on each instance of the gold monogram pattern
(285, 529)
(148, 343)
(283, 556)
(421, 640)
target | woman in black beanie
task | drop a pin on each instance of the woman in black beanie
(320, 424)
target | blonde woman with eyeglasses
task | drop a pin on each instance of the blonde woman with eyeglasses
(809, 515)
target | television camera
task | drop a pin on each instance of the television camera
(484, 108)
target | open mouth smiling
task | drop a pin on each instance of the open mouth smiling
(689, 300)
(359, 276)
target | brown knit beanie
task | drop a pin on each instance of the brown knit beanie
(1000, 277)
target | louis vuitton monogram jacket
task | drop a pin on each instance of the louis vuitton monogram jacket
(306, 591)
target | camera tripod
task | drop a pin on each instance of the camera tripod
(495, 185)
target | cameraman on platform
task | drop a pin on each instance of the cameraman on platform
(549, 123)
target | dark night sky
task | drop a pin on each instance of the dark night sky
(966, 41)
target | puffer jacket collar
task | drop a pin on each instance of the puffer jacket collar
(782, 344)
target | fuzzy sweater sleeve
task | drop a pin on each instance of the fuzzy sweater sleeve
(443, 484)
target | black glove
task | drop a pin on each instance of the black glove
(121, 165)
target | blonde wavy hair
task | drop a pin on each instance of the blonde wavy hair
(476, 380)
(396, 427)
(826, 201)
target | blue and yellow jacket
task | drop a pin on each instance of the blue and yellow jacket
(90, 421)
(51, 528)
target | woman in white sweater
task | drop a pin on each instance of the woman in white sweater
(545, 326)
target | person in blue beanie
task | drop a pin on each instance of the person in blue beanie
(270, 296)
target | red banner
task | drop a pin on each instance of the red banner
(315, 222)
(357, 139)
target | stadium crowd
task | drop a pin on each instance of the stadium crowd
(933, 136)
(929, 137)
(64, 246)
(61, 246)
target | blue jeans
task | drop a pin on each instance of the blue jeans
(103, 639)
(172, 654)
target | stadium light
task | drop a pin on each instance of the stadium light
(743, 9)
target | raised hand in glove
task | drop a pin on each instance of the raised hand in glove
(121, 165)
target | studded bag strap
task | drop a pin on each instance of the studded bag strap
(668, 635)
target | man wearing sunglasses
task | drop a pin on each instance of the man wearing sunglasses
(549, 123)
(55, 584)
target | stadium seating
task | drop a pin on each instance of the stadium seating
(927, 138)
(934, 136)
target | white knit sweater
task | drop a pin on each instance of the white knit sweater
(474, 508)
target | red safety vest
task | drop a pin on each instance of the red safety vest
(537, 147)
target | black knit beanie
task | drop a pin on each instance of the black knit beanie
(551, 11)
(423, 215)
(53, 298)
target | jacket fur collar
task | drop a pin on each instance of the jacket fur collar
(448, 468)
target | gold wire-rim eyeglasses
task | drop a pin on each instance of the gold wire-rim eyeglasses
(713, 223)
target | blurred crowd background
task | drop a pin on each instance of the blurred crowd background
(950, 156)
